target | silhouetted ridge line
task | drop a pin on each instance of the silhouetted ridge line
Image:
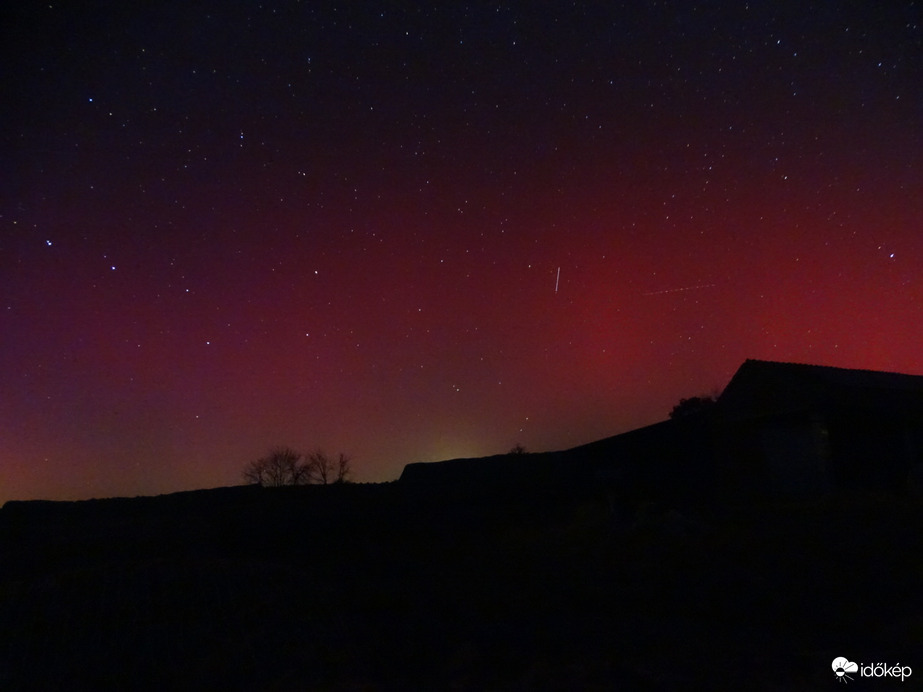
(778, 430)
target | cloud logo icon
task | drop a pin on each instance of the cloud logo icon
(842, 666)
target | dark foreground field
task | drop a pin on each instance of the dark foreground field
(372, 587)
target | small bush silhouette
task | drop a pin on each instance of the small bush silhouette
(693, 406)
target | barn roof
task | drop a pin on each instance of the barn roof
(762, 387)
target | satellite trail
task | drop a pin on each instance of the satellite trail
(678, 290)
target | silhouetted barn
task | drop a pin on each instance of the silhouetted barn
(779, 430)
(788, 429)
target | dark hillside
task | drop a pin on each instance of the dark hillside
(384, 587)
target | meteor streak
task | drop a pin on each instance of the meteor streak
(677, 290)
(557, 280)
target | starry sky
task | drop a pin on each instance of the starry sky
(417, 231)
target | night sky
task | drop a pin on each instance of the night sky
(411, 233)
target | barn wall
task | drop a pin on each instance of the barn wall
(795, 456)
(806, 455)
(873, 449)
(775, 456)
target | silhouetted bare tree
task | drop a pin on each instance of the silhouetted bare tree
(325, 470)
(517, 449)
(283, 466)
